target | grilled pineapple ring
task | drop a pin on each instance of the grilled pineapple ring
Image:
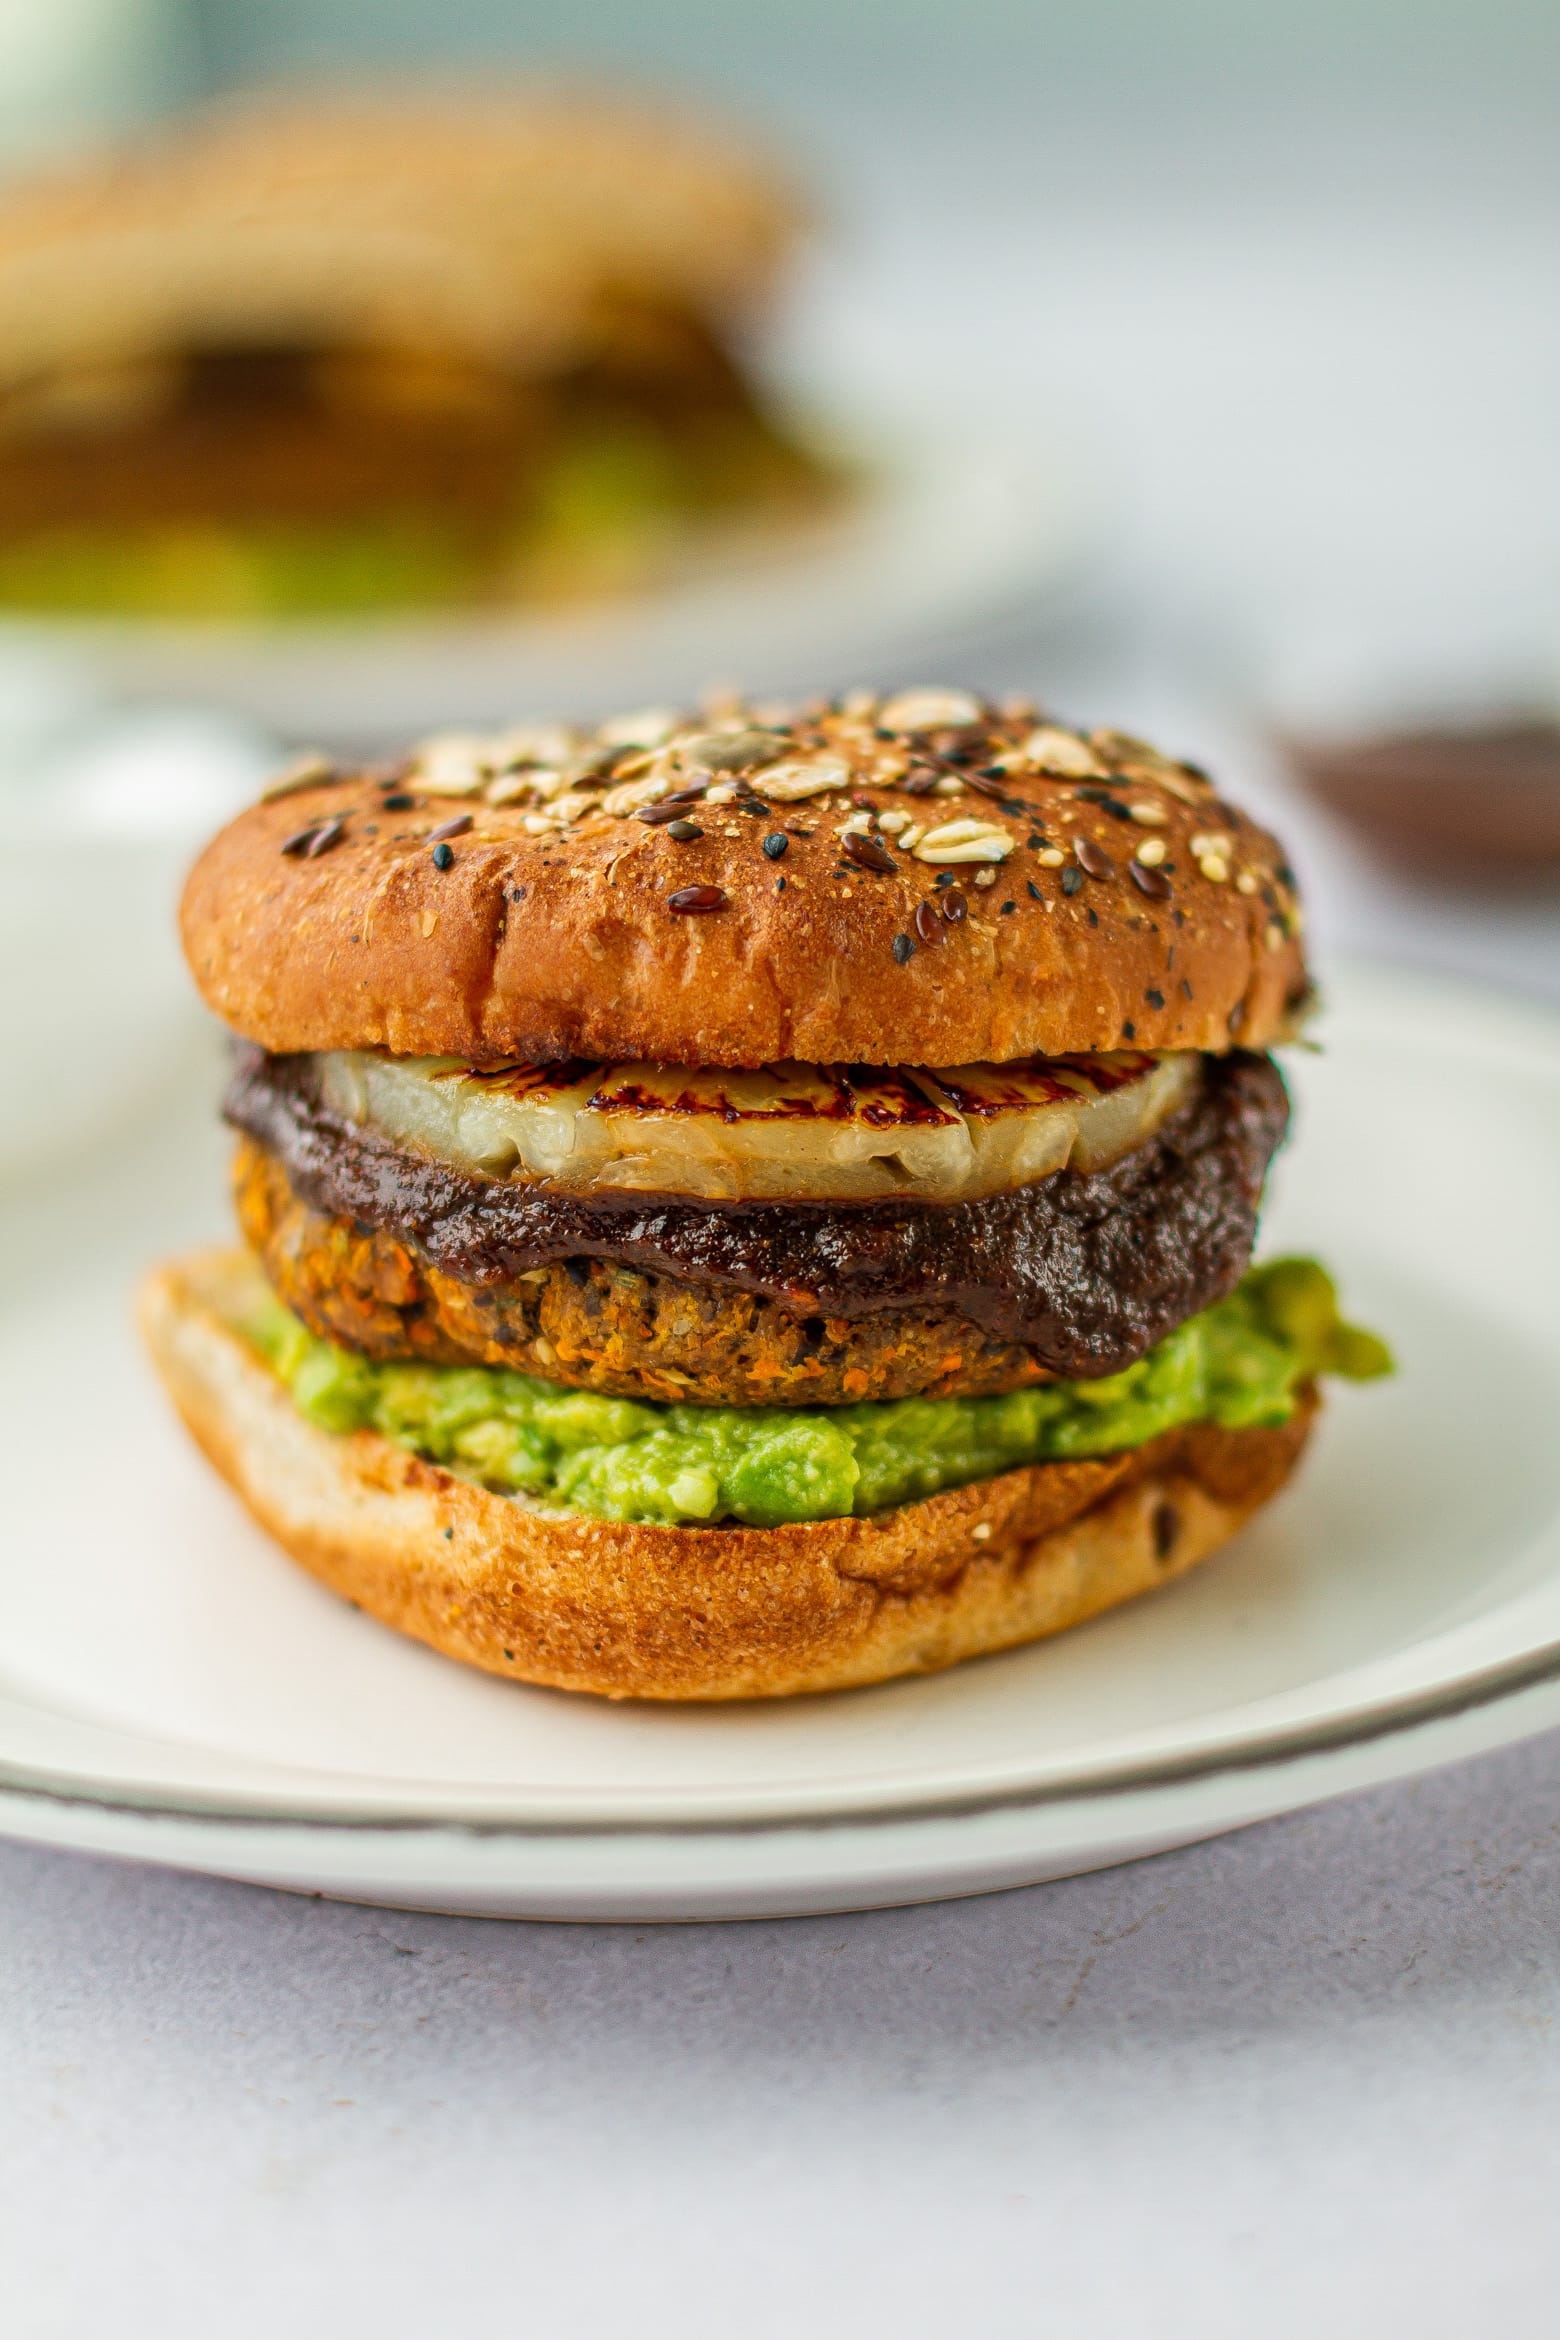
(819, 1133)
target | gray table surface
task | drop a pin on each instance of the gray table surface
(1305, 2078)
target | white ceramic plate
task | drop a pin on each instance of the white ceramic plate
(172, 1689)
(961, 524)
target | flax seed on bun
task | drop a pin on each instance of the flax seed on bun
(926, 879)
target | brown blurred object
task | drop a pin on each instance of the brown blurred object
(1480, 801)
(452, 346)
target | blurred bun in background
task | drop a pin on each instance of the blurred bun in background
(303, 356)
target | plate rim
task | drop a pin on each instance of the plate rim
(1481, 1691)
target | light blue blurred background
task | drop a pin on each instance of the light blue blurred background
(1395, 95)
(960, 101)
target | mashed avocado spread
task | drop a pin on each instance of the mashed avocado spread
(1239, 1364)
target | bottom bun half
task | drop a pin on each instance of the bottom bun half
(634, 1611)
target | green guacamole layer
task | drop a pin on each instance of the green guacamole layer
(1239, 1364)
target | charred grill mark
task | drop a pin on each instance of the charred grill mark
(1046, 1080)
(883, 1097)
(525, 1080)
(882, 1100)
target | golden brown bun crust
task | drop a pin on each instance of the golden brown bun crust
(542, 941)
(493, 223)
(696, 1613)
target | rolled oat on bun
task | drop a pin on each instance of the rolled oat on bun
(686, 1159)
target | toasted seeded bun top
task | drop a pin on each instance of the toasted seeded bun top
(487, 224)
(923, 879)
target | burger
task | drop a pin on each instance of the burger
(400, 349)
(750, 1202)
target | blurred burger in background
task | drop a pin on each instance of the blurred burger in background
(327, 356)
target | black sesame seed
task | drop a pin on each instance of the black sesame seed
(1094, 917)
(945, 877)
(1035, 894)
(779, 885)
(776, 843)
(1186, 989)
(1155, 999)
(1072, 879)
(442, 856)
(1008, 909)
(904, 948)
(517, 894)
(1129, 1031)
(1034, 843)
(399, 802)
(684, 831)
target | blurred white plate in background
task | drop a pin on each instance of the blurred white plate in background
(102, 812)
(959, 523)
(173, 1689)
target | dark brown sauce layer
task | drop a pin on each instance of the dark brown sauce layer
(1087, 1271)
